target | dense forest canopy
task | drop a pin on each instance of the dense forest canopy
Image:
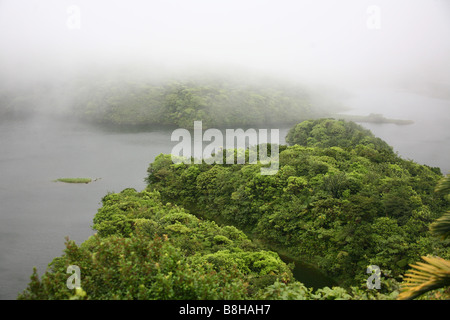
(145, 249)
(121, 100)
(340, 198)
(325, 133)
(340, 207)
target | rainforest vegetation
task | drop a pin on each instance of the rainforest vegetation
(145, 249)
(216, 101)
(74, 180)
(325, 133)
(341, 200)
(180, 103)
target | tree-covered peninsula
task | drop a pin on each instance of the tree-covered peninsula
(341, 200)
(124, 99)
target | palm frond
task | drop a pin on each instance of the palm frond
(441, 227)
(432, 274)
(443, 186)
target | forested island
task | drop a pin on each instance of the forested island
(374, 118)
(121, 101)
(341, 200)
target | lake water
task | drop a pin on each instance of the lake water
(426, 141)
(36, 214)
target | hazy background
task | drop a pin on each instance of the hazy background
(392, 55)
(382, 42)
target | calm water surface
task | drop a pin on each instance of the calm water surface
(37, 214)
(426, 141)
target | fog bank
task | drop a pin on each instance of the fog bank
(351, 42)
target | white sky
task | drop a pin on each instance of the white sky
(317, 39)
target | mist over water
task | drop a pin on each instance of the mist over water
(389, 57)
(425, 141)
(340, 42)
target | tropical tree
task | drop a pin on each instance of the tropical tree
(434, 273)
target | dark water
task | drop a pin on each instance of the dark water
(310, 276)
(36, 214)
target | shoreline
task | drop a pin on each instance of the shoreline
(373, 118)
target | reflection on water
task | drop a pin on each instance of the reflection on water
(308, 275)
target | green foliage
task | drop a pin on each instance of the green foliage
(215, 102)
(434, 273)
(145, 249)
(74, 180)
(339, 207)
(441, 227)
(282, 291)
(326, 133)
(297, 291)
(138, 267)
